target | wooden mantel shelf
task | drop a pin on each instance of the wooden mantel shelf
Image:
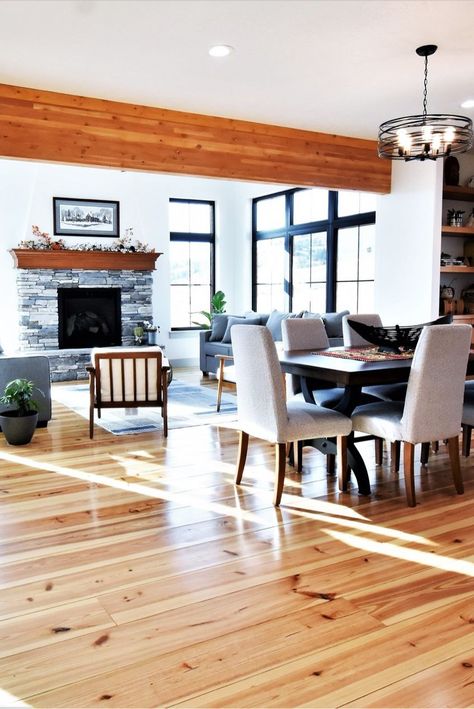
(86, 260)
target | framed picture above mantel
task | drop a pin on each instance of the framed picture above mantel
(86, 217)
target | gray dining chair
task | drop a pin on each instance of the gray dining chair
(467, 418)
(263, 411)
(433, 405)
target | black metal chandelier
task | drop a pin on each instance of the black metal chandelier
(428, 136)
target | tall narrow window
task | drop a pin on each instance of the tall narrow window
(192, 239)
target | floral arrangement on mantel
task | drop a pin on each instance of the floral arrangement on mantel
(44, 242)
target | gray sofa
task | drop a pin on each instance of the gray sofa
(218, 339)
(34, 368)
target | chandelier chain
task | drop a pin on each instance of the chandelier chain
(425, 87)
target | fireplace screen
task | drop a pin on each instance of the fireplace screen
(89, 317)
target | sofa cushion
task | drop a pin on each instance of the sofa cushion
(240, 321)
(308, 314)
(218, 326)
(214, 348)
(262, 316)
(333, 323)
(275, 320)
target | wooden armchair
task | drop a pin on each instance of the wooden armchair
(127, 378)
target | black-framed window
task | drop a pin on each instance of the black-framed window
(192, 242)
(313, 249)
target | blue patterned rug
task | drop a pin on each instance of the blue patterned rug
(188, 405)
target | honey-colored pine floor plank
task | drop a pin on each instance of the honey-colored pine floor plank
(178, 588)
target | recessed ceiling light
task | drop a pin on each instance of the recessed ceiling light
(221, 50)
(468, 104)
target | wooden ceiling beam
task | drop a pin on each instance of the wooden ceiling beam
(50, 126)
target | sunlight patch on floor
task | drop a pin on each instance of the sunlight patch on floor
(191, 499)
(445, 563)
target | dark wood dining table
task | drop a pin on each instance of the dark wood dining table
(352, 375)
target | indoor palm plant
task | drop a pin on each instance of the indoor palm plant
(18, 424)
(218, 303)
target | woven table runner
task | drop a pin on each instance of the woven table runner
(365, 354)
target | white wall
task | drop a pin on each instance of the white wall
(26, 192)
(408, 242)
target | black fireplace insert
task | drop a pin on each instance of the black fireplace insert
(89, 317)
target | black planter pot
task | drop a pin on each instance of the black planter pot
(18, 430)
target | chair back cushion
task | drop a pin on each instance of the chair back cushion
(351, 338)
(260, 396)
(304, 334)
(435, 392)
(128, 375)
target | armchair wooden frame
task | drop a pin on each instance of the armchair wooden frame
(154, 386)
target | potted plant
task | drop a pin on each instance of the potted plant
(218, 303)
(150, 332)
(18, 424)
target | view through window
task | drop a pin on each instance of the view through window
(314, 250)
(192, 239)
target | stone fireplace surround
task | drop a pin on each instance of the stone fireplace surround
(38, 310)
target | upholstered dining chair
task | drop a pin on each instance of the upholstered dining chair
(121, 377)
(467, 417)
(433, 405)
(263, 411)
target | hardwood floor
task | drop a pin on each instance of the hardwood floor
(134, 573)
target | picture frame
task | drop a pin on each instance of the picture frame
(86, 217)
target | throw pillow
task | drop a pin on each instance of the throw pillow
(238, 321)
(274, 323)
(333, 323)
(308, 314)
(263, 316)
(218, 327)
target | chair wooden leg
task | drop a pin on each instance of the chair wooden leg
(280, 465)
(331, 463)
(91, 403)
(342, 474)
(435, 446)
(91, 421)
(395, 456)
(378, 451)
(453, 448)
(425, 453)
(298, 455)
(466, 440)
(409, 472)
(242, 456)
(220, 379)
(164, 405)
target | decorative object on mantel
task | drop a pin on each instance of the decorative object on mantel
(427, 136)
(44, 242)
(85, 217)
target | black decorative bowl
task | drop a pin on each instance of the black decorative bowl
(396, 338)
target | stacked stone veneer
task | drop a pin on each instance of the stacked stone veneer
(38, 311)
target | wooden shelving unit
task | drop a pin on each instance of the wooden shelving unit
(457, 269)
(457, 231)
(462, 194)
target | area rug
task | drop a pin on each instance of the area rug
(187, 406)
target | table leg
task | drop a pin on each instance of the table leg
(346, 406)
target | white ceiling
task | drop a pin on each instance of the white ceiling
(338, 66)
